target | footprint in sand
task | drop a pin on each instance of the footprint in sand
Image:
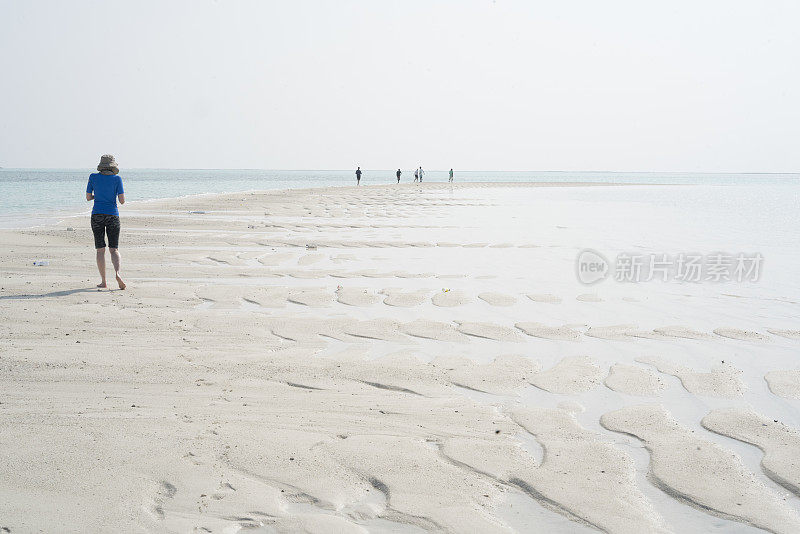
(164, 493)
(223, 491)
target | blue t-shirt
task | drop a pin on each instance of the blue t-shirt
(105, 187)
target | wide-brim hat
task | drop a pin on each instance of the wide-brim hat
(108, 163)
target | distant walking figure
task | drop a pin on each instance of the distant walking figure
(358, 176)
(398, 175)
(451, 175)
(416, 175)
(421, 173)
(105, 187)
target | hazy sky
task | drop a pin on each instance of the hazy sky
(557, 85)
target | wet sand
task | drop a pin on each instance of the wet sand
(389, 359)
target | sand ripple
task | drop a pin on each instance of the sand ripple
(489, 331)
(634, 380)
(497, 299)
(785, 384)
(384, 329)
(582, 476)
(547, 298)
(616, 332)
(433, 330)
(313, 297)
(308, 330)
(735, 333)
(681, 331)
(504, 375)
(573, 374)
(565, 332)
(791, 334)
(722, 381)
(404, 299)
(450, 298)
(353, 296)
(701, 472)
(779, 442)
(434, 495)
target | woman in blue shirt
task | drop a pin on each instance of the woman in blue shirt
(105, 187)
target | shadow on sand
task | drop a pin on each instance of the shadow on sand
(55, 294)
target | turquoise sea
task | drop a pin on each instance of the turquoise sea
(30, 197)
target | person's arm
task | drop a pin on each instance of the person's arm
(121, 198)
(120, 191)
(89, 191)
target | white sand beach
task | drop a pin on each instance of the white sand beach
(404, 358)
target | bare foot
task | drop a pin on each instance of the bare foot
(120, 282)
(101, 284)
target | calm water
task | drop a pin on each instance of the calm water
(39, 196)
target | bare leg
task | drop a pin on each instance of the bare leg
(115, 259)
(101, 266)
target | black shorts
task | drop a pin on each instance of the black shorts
(103, 224)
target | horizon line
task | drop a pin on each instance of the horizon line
(393, 170)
